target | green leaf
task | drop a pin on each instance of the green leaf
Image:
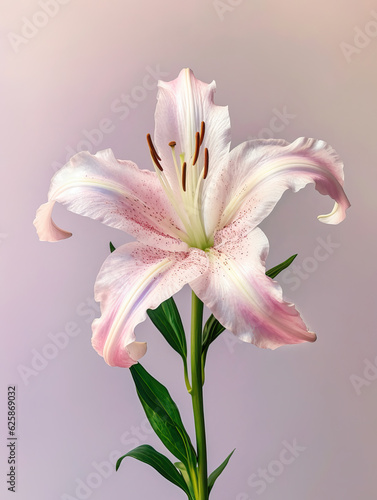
(167, 319)
(163, 416)
(212, 329)
(159, 462)
(112, 248)
(182, 468)
(216, 473)
(271, 273)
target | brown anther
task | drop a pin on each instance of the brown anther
(206, 160)
(172, 144)
(155, 159)
(197, 146)
(184, 176)
(153, 152)
(151, 146)
(202, 130)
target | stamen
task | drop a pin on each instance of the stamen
(156, 160)
(151, 146)
(206, 160)
(197, 145)
(202, 130)
(153, 152)
(172, 144)
(184, 176)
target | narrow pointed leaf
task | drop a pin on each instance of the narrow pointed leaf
(271, 273)
(167, 319)
(212, 329)
(163, 415)
(216, 473)
(159, 462)
(112, 248)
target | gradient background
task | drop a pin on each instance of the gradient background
(74, 411)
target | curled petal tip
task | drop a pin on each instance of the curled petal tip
(310, 337)
(46, 228)
(268, 168)
(137, 350)
(337, 214)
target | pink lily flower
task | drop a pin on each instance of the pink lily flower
(195, 220)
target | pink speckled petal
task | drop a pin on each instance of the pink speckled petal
(182, 105)
(116, 193)
(135, 278)
(258, 173)
(244, 300)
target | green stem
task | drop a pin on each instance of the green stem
(197, 394)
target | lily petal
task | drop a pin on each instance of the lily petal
(135, 278)
(182, 105)
(258, 173)
(116, 193)
(46, 228)
(245, 300)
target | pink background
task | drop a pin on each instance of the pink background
(74, 411)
